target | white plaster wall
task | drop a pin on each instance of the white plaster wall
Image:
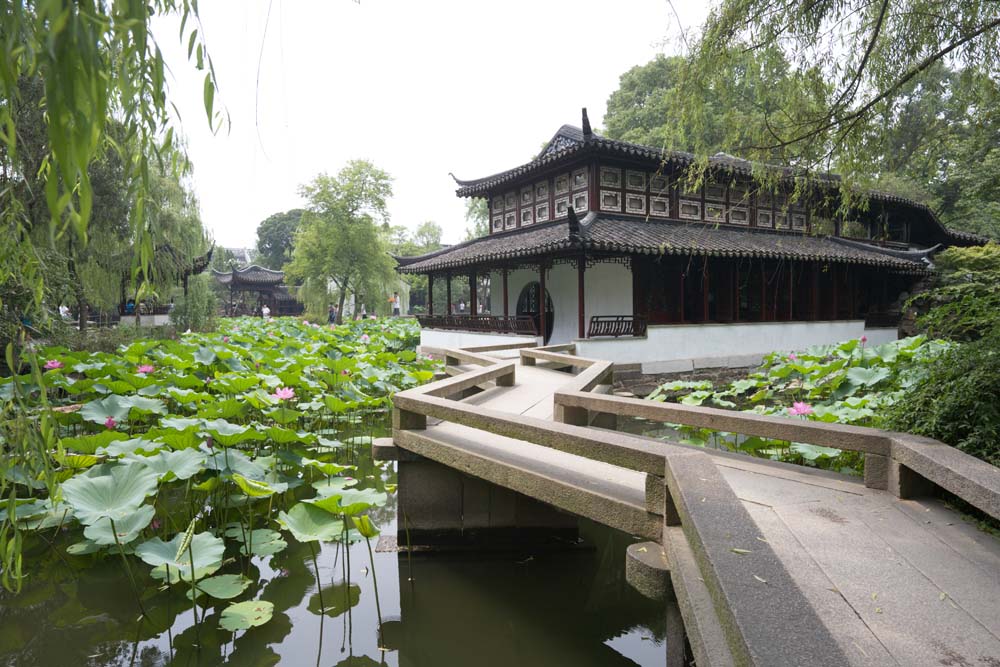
(516, 280)
(608, 290)
(670, 348)
(442, 338)
(561, 283)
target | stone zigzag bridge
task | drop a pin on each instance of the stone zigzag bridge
(770, 563)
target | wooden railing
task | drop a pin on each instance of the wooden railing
(616, 326)
(510, 324)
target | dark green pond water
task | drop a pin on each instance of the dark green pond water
(438, 610)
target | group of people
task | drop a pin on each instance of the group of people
(333, 313)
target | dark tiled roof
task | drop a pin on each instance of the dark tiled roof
(630, 235)
(626, 235)
(569, 141)
(250, 275)
(536, 240)
(968, 237)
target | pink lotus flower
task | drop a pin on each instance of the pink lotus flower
(53, 364)
(145, 368)
(305, 322)
(225, 339)
(283, 393)
(365, 338)
(155, 524)
(792, 357)
(209, 443)
(864, 339)
(110, 422)
(345, 372)
(800, 408)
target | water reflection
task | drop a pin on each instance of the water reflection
(568, 608)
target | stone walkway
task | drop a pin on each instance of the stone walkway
(899, 582)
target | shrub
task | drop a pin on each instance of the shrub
(196, 311)
(958, 400)
(963, 302)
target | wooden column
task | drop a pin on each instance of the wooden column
(791, 291)
(814, 293)
(704, 290)
(506, 302)
(581, 266)
(473, 294)
(448, 293)
(680, 292)
(763, 292)
(736, 292)
(430, 294)
(835, 292)
(541, 301)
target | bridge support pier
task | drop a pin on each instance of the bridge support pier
(443, 507)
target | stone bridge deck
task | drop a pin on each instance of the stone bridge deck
(904, 582)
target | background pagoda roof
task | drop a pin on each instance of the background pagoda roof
(626, 235)
(250, 276)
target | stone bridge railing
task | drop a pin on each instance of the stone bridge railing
(690, 508)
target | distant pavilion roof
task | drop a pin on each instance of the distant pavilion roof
(250, 277)
(612, 234)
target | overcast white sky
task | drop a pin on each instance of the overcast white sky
(419, 88)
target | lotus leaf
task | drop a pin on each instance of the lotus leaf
(333, 485)
(206, 549)
(308, 523)
(126, 528)
(83, 548)
(256, 489)
(244, 615)
(90, 444)
(350, 501)
(337, 599)
(262, 541)
(109, 492)
(222, 586)
(205, 355)
(181, 464)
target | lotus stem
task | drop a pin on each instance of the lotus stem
(194, 596)
(128, 570)
(378, 607)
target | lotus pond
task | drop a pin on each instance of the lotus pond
(847, 383)
(212, 500)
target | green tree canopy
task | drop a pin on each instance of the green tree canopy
(342, 234)
(275, 237)
(657, 105)
(477, 218)
(868, 52)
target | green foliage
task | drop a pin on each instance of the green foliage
(197, 310)
(214, 424)
(724, 111)
(848, 383)
(957, 401)
(80, 82)
(963, 302)
(342, 234)
(477, 217)
(275, 238)
(875, 62)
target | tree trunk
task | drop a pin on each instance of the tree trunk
(343, 298)
(81, 299)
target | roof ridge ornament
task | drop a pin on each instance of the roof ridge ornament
(574, 225)
(585, 124)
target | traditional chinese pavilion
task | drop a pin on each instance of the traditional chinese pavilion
(637, 266)
(252, 287)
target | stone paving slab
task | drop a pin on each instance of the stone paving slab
(911, 615)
